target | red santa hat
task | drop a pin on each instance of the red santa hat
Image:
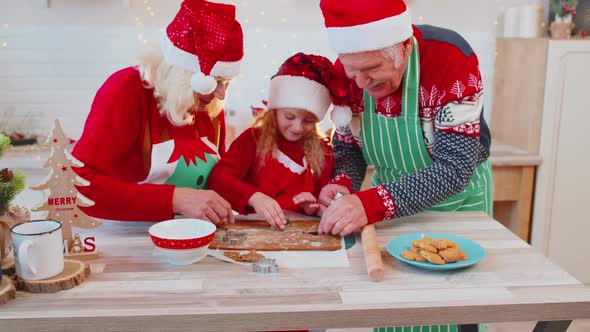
(206, 39)
(358, 26)
(308, 82)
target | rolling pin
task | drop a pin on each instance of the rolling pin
(372, 253)
(370, 249)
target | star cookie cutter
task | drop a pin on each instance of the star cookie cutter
(265, 265)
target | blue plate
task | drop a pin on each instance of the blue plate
(474, 251)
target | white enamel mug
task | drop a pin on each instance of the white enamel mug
(38, 249)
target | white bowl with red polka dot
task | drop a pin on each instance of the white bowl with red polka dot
(183, 241)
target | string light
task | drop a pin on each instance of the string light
(420, 18)
(4, 44)
(140, 24)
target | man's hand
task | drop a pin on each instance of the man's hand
(329, 191)
(307, 202)
(268, 208)
(344, 216)
(202, 204)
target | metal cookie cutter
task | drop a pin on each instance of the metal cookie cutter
(265, 265)
(272, 228)
(336, 196)
(233, 238)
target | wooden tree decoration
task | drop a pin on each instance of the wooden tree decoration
(64, 201)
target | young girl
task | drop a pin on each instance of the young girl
(282, 161)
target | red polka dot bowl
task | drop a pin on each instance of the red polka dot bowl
(183, 241)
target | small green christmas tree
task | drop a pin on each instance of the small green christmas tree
(11, 182)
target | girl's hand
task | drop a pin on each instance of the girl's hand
(269, 209)
(307, 202)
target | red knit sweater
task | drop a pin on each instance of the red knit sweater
(116, 146)
(236, 177)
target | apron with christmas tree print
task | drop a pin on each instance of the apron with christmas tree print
(395, 146)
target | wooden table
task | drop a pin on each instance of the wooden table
(514, 182)
(130, 289)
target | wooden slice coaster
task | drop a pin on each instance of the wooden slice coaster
(7, 290)
(8, 266)
(75, 273)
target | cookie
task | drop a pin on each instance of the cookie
(432, 257)
(424, 246)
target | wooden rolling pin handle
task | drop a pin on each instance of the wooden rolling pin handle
(372, 253)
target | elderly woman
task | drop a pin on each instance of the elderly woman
(155, 131)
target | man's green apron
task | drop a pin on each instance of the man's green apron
(396, 147)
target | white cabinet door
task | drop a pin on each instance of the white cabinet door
(564, 177)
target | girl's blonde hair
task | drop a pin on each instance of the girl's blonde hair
(267, 142)
(172, 88)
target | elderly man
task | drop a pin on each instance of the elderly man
(417, 101)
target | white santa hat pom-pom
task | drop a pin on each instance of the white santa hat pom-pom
(203, 84)
(341, 116)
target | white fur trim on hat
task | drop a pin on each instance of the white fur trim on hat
(341, 116)
(299, 92)
(371, 36)
(227, 70)
(203, 84)
(177, 57)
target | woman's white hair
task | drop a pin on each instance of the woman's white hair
(172, 88)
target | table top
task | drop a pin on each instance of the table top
(131, 289)
(507, 155)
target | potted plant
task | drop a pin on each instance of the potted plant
(11, 183)
(562, 25)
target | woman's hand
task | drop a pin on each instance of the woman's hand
(269, 209)
(202, 204)
(307, 202)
